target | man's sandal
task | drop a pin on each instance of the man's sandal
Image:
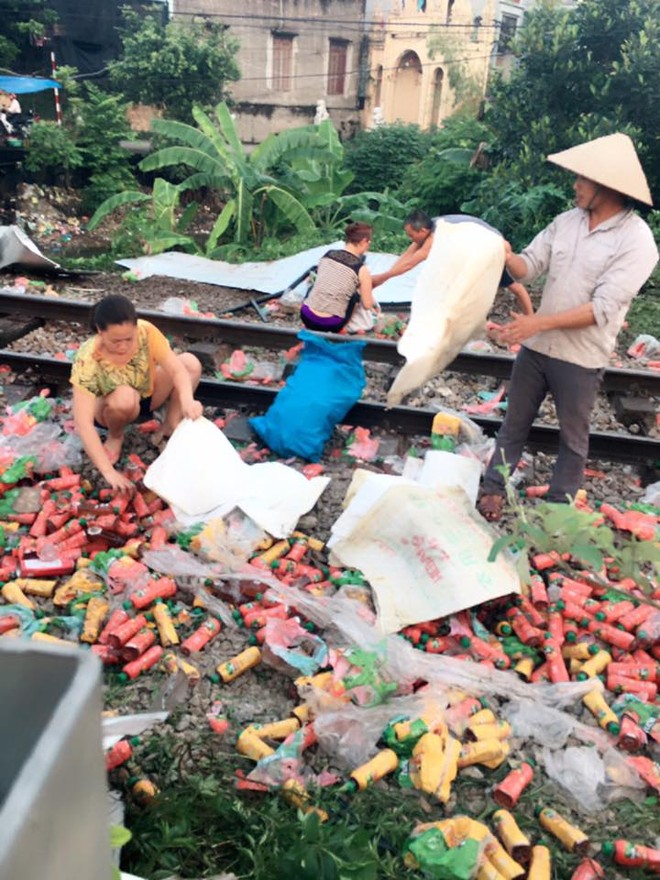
(491, 507)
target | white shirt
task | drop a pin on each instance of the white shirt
(606, 266)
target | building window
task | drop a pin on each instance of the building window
(378, 89)
(450, 10)
(438, 78)
(507, 32)
(282, 67)
(337, 63)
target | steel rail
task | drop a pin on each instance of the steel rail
(279, 338)
(408, 420)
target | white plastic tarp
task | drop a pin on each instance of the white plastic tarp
(17, 249)
(424, 551)
(270, 276)
(201, 476)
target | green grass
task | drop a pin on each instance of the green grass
(200, 825)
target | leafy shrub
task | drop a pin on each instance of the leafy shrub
(51, 151)
(438, 185)
(519, 211)
(101, 124)
(379, 158)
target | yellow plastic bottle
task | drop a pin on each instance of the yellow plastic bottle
(515, 842)
(275, 729)
(97, 609)
(573, 838)
(166, 631)
(595, 665)
(239, 664)
(508, 867)
(490, 752)
(540, 867)
(251, 746)
(385, 762)
(597, 705)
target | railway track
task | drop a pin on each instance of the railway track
(407, 420)
(281, 338)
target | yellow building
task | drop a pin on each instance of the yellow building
(428, 58)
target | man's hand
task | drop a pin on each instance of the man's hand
(520, 328)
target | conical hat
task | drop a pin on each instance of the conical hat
(611, 161)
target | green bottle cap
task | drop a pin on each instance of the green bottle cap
(607, 848)
(593, 650)
(614, 727)
(600, 615)
(127, 605)
(571, 637)
(123, 677)
(464, 641)
(582, 676)
(213, 677)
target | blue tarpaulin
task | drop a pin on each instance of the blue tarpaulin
(23, 85)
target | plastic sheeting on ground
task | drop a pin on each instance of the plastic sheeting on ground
(201, 476)
(17, 249)
(270, 276)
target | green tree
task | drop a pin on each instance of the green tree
(20, 21)
(99, 124)
(174, 65)
(382, 155)
(582, 72)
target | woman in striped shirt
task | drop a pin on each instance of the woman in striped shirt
(342, 280)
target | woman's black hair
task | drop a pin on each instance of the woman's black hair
(113, 309)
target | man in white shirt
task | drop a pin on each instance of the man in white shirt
(597, 257)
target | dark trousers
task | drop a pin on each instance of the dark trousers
(574, 390)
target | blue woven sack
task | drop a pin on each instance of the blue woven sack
(328, 380)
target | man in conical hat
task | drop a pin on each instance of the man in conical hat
(597, 257)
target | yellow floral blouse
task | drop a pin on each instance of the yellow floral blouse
(100, 377)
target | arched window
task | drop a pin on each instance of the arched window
(438, 78)
(410, 61)
(378, 88)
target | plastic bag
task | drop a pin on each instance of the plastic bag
(291, 649)
(454, 293)
(362, 320)
(202, 476)
(425, 553)
(327, 382)
(580, 771)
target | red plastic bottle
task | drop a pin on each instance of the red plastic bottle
(588, 869)
(163, 588)
(633, 855)
(117, 618)
(119, 753)
(201, 637)
(142, 663)
(506, 794)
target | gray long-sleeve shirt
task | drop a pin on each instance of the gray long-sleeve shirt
(606, 267)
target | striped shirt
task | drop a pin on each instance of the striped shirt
(336, 282)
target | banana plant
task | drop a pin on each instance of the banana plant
(160, 226)
(247, 181)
